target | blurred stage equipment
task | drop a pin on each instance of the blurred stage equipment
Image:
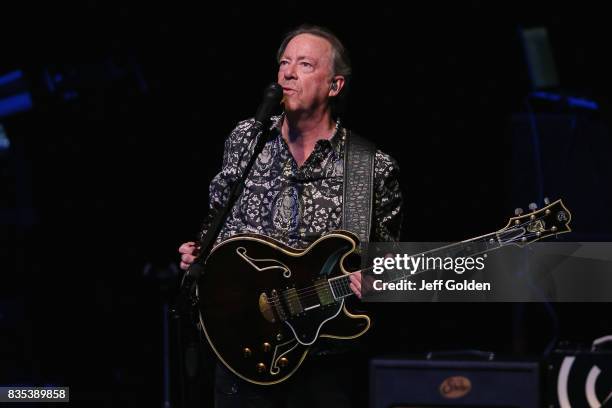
(71, 81)
(14, 94)
(581, 377)
(5, 143)
(166, 277)
(539, 57)
(453, 382)
(560, 142)
(546, 88)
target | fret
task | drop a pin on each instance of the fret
(467, 248)
(341, 286)
(334, 288)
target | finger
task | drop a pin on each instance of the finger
(184, 266)
(187, 247)
(187, 258)
(356, 283)
(356, 291)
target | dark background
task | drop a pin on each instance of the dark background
(108, 172)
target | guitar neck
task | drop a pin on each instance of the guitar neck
(463, 249)
(341, 285)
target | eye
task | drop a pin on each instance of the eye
(306, 64)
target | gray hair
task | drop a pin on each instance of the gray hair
(341, 64)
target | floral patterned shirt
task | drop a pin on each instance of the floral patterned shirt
(297, 205)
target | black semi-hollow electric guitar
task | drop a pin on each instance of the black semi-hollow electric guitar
(263, 304)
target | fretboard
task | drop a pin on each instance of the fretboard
(340, 285)
(468, 248)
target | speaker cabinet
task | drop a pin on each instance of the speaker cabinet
(579, 379)
(402, 383)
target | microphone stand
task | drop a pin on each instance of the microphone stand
(184, 313)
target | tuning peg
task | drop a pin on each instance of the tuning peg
(533, 206)
(546, 201)
(518, 211)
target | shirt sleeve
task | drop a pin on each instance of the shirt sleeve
(387, 199)
(234, 161)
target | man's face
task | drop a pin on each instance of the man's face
(305, 73)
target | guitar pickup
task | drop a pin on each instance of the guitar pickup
(292, 300)
(324, 292)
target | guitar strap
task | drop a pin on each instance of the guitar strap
(358, 191)
(358, 194)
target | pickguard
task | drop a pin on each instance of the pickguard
(306, 328)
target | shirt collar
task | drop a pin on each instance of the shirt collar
(336, 141)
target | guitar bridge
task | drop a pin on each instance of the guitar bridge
(265, 307)
(271, 307)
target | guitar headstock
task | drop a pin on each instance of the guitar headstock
(552, 219)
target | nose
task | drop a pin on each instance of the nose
(289, 71)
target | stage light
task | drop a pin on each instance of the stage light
(5, 143)
(14, 95)
(539, 58)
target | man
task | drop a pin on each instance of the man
(294, 194)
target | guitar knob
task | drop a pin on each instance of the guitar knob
(533, 206)
(546, 201)
(247, 352)
(261, 367)
(266, 347)
(283, 362)
(518, 211)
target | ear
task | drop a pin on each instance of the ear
(336, 85)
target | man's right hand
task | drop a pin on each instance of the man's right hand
(188, 253)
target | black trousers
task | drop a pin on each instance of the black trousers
(338, 381)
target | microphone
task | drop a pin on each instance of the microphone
(271, 99)
(186, 300)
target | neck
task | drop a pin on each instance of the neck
(304, 129)
(301, 132)
(340, 285)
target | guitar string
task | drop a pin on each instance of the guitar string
(313, 292)
(307, 289)
(315, 287)
(301, 291)
(325, 283)
(309, 292)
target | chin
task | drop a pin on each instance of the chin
(292, 107)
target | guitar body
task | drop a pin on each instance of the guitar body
(263, 304)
